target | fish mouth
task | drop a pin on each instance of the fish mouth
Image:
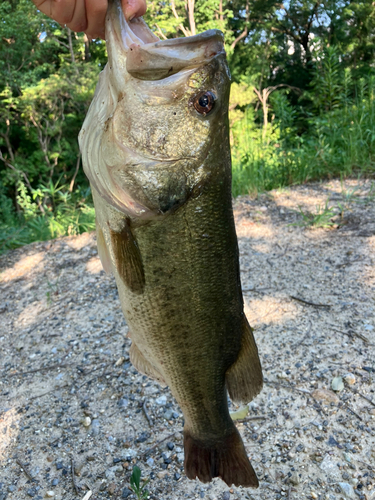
(146, 57)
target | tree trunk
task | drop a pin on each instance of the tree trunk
(265, 95)
(71, 45)
(86, 41)
(191, 4)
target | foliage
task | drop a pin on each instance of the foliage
(135, 484)
(302, 103)
(340, 140)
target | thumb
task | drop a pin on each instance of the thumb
(133, 8)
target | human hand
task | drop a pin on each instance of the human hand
(87, 15)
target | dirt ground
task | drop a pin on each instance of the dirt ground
(75, 416)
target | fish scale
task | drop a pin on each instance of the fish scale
(183, 319)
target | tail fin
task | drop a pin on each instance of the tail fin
(225, 458)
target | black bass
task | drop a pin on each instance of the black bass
(155, 148)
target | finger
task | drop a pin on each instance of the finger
(134, 8)
(95, 14)
(61, 11)
(79, 19)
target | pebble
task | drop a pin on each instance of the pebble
(226, 495)
(55, 482)
(347, 490)
(86, 421)
(162, 400)
(11, 488)
(330, 468)
(325, 395)
(349, 378)
(162, 474)
(120, 361)
(31, 492)
(177, 476)
(78, 468)
(128, 454)
(111, 472)
(294, 479)
(95, 427)
(168, 414)
(150, 462)
(332, 441)
(126, 493)
(50, 494)
(337, 384)
(313, 495)
(170, 445)
(123, 403)
(111, 488)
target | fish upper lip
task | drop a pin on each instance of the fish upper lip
(169, 159)
(146, 57)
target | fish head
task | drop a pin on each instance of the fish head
(158, 117)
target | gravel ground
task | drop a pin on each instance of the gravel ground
(75, 416)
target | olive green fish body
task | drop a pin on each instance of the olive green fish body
(187, 321)
(155, 146)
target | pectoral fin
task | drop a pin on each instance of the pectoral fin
(102, 249)
(142, 365)
(244, 378)
(128, 259)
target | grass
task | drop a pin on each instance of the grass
(321, 218)
(71, 215)
(135, 484)
(336, 143)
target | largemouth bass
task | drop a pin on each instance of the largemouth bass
(155, 148)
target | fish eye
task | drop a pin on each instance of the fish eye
(204, 102)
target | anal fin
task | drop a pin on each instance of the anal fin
(244, 378)
(128, 259)
(142, 365)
